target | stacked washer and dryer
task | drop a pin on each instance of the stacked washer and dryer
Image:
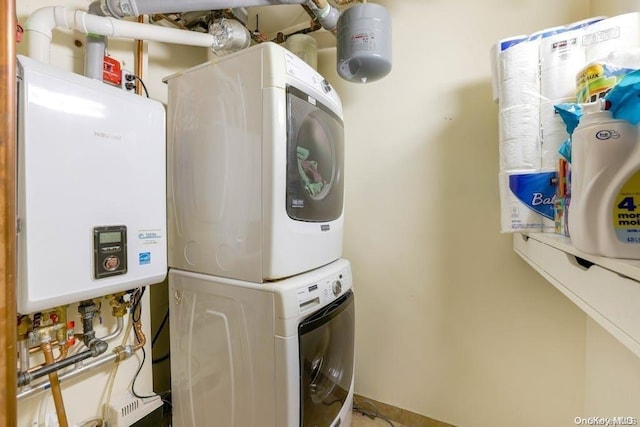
(261, 303)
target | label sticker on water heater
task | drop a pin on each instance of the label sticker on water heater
(149, 236)
(144, 258)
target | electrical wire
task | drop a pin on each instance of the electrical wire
(155, 338)
(162, 324)
(146, 92)
(372, 413)
(135, 317)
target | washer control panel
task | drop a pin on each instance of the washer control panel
(109, 251)
(320, 293)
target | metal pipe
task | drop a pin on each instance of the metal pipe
(94, 364)
(98, 347)
(120, 9)
(56, 391)
(87, 310)
(138, 67)
(8, 132)
(116, 332)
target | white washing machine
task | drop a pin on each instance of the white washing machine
(255, 165)
(262, 355)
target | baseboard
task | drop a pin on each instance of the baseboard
(399, 415)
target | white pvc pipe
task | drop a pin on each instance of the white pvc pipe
(42, 22)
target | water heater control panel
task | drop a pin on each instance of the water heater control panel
(109, 251)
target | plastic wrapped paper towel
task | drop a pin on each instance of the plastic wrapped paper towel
(553, 132)
(518, 79)
(615, 33)
(495, 55)
(562, 56)
(519, 133)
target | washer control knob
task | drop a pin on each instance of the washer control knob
(337, 287)
(326, 86)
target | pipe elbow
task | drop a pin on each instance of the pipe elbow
(98, 347)
(42, 21)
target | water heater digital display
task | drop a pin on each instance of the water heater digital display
(109, 251)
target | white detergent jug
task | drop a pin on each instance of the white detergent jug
(604, 214)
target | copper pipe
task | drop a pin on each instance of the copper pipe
(141, 338)
(56, 391)
(138, 66)
(8, 132)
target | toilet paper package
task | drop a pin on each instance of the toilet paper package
(615, 33)
(527, 200)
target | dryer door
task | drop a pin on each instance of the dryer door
(315, 159)
(326, 341)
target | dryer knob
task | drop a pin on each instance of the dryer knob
(337, 287)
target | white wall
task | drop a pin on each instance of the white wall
(450, 322)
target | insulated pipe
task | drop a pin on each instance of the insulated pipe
(120, 8)
(327, 14)
(42, 22)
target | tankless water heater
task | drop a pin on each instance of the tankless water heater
(91, 188)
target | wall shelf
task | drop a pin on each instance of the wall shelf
(606, 289)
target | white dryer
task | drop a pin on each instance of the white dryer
(262, 355)
(256, 154)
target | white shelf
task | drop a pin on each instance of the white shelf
(606, 289)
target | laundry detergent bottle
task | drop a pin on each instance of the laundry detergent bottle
(604, 214)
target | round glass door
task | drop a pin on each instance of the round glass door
(326, 341)
(315, 162)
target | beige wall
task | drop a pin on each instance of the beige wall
(613, 7)
(450, 322)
